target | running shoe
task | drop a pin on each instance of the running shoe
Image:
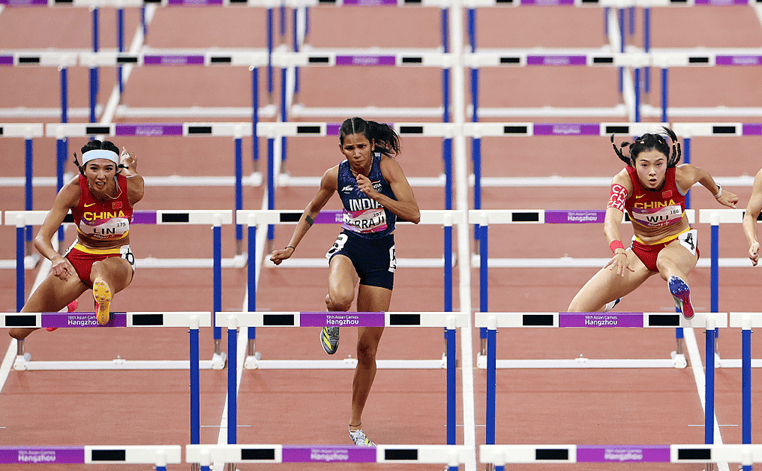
(329, 339)
(681, 293)
(611, 305)
(71, 307)
(102, 295)
(359, 438)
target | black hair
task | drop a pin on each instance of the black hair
(386, 138)
(95, 144)
(649, 141)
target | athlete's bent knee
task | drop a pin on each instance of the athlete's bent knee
(335, 302)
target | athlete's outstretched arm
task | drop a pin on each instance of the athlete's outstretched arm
(621, 189)
(753, 209)
(328, 186)
(67, 198)
(688, 175)
(135, 184)
(405, 206)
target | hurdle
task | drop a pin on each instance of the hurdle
(746, 321)
(157, 455)
(360, 58)
(254, 219)
(491, 321)
(253, 59)
(235, 130)
(500, 455)
(164, 217)
(191, 320)
(451, 455)
(512, 58)
(28, 132)
(449, 320)
(483, 218)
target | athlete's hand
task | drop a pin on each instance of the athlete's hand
(365, 185)
(279, 255)
(728, 199)
(129, 160)
(619, 262)
(754, 253)
(61, 268)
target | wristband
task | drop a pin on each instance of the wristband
(719, 191)
(291, 247)
(616, 244)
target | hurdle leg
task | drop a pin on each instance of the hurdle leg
(20, 363)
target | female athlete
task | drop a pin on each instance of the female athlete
(652, 190)
(374, 192)
(100, 200)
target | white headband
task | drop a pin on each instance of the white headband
(100, 154)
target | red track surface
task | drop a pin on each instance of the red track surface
(311, 407)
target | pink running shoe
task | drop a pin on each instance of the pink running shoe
(681, 293)
(71, 307)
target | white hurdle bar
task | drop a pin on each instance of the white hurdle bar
(450, 455)
(491, 321)
(500, 455)
(449, 320)
(158, 455)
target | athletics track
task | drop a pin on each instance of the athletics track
(593, 406)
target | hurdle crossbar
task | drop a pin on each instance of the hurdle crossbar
(491, 321)
(452, 455)
(449, 320)
(159, 455)
(500, 455)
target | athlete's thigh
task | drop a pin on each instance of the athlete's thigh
(606, 285)
(118, 270)
(342, 276)
(683, 258)
(54, 294)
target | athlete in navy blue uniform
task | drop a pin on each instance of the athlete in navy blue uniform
(374, 192)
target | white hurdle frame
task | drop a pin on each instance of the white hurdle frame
(451, 321)
(216, 218)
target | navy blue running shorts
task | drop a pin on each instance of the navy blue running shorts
(374, 259)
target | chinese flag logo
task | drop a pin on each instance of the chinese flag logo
(116, 205)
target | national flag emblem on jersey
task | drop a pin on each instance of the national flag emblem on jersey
(116, 205)
(666, 194)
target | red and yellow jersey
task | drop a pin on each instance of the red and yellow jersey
(656, 208)
(103, 220)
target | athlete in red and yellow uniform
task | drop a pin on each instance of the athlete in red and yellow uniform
(101, 199)
(652, 190)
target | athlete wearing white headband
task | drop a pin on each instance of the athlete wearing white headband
(100, 154)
